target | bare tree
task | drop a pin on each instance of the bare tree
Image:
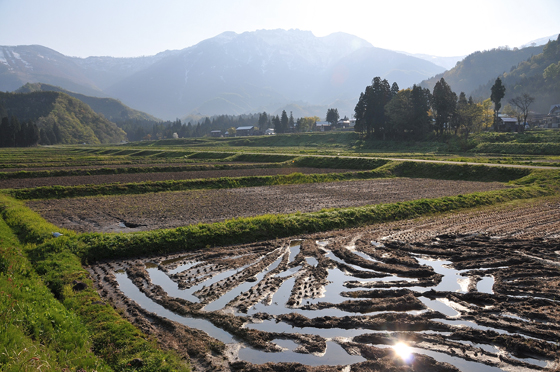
(523, 102)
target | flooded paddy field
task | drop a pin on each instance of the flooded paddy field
(471, 291)
(128, 213)
(18, 183)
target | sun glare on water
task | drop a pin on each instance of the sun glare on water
(403, 351)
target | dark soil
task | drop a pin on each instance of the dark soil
(162, 176)
(518, 245)
(174, 209)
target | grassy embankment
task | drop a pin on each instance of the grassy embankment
(46, 323)
(536, 142)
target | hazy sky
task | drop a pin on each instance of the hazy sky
(128, 28)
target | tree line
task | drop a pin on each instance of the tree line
(385, 112)
(14, 134)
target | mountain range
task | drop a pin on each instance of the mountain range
(265, 70)
(231, 73)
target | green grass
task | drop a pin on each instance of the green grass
(37, 332)
(96, 246)
(383, 169)
(48, 325)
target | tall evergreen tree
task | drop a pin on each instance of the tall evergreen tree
(498, 92)
(291, 121)
(4, 132)
(284, 122)
(420, 102)
(359, 113)
(443, 103)
(394, 89)
(263, 121)
(277, 124)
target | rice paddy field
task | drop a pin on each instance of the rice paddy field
(189, 258)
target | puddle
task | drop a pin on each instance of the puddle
(439, 306)
(244, 287)
(332, 256)
(451, 278)
(485, 285)
(366, 256)
(279, 299)
(331, 293)
(452, 281)
(173, 260)
(295, 247)
(460, 363)
(288, 272)
(311, 261)
(471, 324)
(489, 348)
(181, 268)
(160, 278)
(334, 355)
(282, 327)
(131, 291)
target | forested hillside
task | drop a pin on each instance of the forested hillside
(112, 109)
(539, 76)
(60, 118)
(481, 67)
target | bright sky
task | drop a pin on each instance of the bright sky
(129, 28)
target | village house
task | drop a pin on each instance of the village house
(323, 126)
(245, 131)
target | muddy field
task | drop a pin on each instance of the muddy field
(129, 213)
(161, 176)
(124, 164)
(473, 291)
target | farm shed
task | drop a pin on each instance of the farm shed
(245, 131)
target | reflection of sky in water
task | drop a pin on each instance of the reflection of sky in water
(438, 306)
(184, 267)
(332, 256)
(366, 256)
(452, 281)
(449, 282)
(288, 272)
(335, 355)
(460, 363)
(244, 287)
(280, 327)
(131, 291)
(294, 251)
(485, 285)
(311, 261)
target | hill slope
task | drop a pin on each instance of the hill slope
(228, 74)
(110, 108)
(75, 122)
(480, 67)
(539, 76)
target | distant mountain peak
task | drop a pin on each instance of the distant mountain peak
(230, 73)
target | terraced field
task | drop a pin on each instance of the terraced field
(456, 289)
(129, 213)
(473, 291)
